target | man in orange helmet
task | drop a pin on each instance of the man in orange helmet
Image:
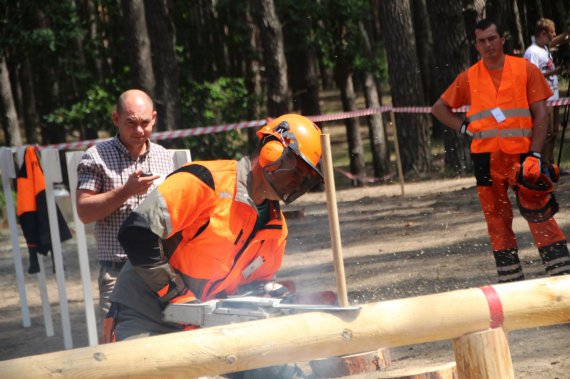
(211, 228)
(508, 123)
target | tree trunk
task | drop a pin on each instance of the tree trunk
(474, 11)
(343, 73)
(163, 37)
(88, 13)
(424, 45)
(377, 135)
(516, 20)
(138, 46)
(452, 57)
(48, 89)
(253, 76)
(405, 83)
(309, 96)
(273, 57)
(343, 77)
(10, 115)
(31, 118)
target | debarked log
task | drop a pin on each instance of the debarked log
(307, 336)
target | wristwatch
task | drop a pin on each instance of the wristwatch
(534, 154)
(463, 128)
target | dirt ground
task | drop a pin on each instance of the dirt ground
(431, 240)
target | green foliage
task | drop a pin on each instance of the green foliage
(91, 113)
(225, 100)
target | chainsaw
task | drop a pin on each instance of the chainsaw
(242, 308)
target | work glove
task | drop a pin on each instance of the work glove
(531, 167)
(464, 129)
(174, 293)
(275, 289)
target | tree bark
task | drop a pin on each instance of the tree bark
(452, 57)
(377, 134)
(424, 45)
(86, 9)
(271, 35)
(473, 12)
(31, 117)
(10, 115)
(48, 91)
(138, 46)
(343, 76)
(406, 88)
(165, 63)
(253, 79)
(517, 22)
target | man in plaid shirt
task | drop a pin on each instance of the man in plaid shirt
(114, 177)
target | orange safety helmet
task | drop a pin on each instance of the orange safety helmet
(287, 139)
(294, 131)
(536, 201)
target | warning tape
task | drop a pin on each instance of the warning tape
(203, 130)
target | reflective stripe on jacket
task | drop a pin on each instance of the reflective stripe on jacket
(513, 135)
(206, 220)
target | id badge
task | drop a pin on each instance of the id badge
(498, 115)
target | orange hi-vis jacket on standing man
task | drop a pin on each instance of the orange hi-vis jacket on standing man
(509, 103)
(206, 223)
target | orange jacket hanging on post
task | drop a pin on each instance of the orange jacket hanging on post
(32, 209)
(500, 119)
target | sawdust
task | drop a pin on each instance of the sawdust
(432, 239)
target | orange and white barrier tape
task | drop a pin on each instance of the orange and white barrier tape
(203, 130)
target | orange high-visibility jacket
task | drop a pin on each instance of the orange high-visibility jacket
(513, 135)
(32, 209)
(206, 220)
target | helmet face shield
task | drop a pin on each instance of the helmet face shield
(290, 176)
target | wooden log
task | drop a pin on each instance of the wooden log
(336, 367)
(484, 355)
(307, 336)
(440, 371)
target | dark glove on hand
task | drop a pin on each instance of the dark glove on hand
(531, 167)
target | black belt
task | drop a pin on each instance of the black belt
(113, 264)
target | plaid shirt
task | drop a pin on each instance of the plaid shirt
(106, 166)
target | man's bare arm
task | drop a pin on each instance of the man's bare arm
(93, 206)
(443, 113)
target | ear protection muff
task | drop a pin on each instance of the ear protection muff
(270, 152)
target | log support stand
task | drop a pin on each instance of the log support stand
(483, 355)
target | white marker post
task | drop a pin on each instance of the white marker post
(180, 157)
(52, 172)
(42, 286)
(73, 159)
(8, 172)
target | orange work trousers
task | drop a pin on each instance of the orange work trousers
(492, 171)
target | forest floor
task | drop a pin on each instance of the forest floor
(431, 240)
